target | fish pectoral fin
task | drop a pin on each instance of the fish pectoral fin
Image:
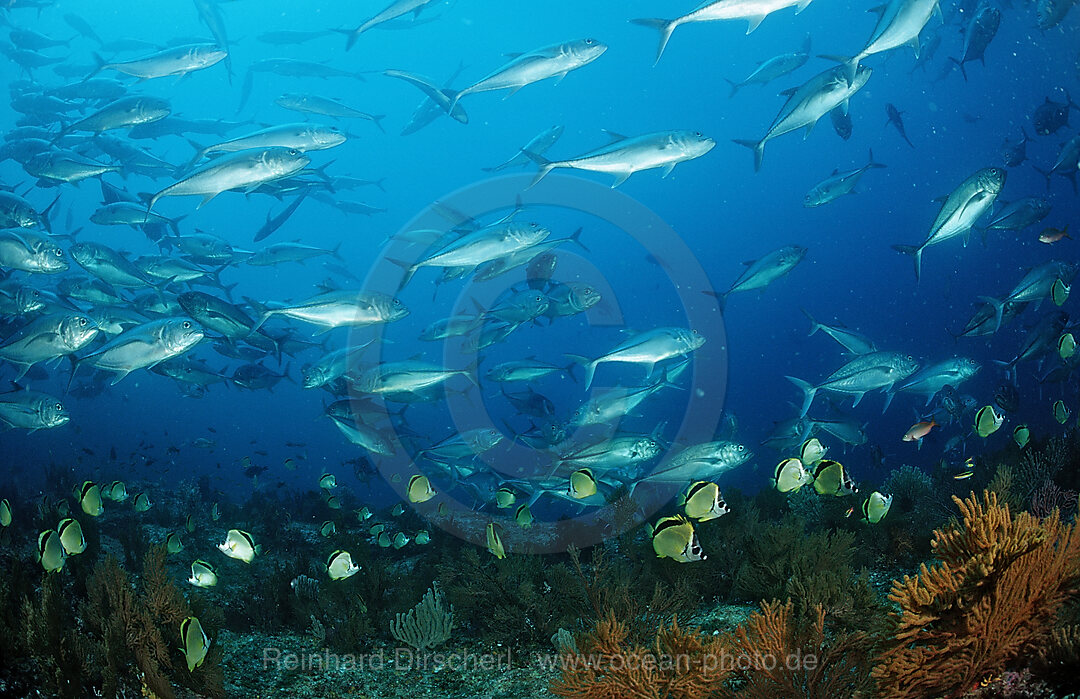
(858, 399)
(620, 178)
(915, 46)
(809, 130)
(666, 170)
(800, 6)
(752, 23)
(206, 199)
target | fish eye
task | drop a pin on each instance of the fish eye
(59, 406)
(187, 325)
(82, 321)
(58, 252)
(590, 42)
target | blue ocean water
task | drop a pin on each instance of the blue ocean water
(722, 210)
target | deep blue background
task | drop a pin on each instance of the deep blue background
(724, 211)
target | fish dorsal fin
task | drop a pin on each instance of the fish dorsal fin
(615, 136)
(788, 92)
(749, 262)
(879, 10)
(513, 54)
(836, 171)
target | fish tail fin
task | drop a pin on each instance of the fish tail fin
(999, 309)
(960, 65)
(814, 325)
(664, 26)
(546, 166)
(588, 364)
(99, 65)
(734, 87)
(759, 151)
(808, 394)
(46, 214)
(263, 317)
(377, 118)
(75, 362)
(916, 252)
(850, 63)
(721, 298)
(351, 35)
(200, 153)
(575, 237)
(1044, 173)
(452, 97)
(174, 225)
(410, 269)
(873, 164)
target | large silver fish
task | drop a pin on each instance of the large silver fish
(931, 379)
(144, 346)
(539, 64)
(852, 341)
(27, 251)
(243, 170)
(626, 155)
(340, 309)
(324, 106)
(753, 11)
(899, 24)
(109, 266)
(48, 337)
(838, 184)
(960, 211)
(177, 60)
(764, 271)
(398, 8)
(1067, 163)
(409, 376)
(473, 249)
(645, 348)
(775, 67)
(66, 166)
(701, 462)
(867, 372)
(301, 137)
(30, 410)
(16, 212)
(1018, 215)
(123, 113)
(809, 102)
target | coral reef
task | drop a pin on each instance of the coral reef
(815, 569)
(991, 599)
(426, 625)
(678, 664)
(776, 656)
(137, 628)
(521, 598)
